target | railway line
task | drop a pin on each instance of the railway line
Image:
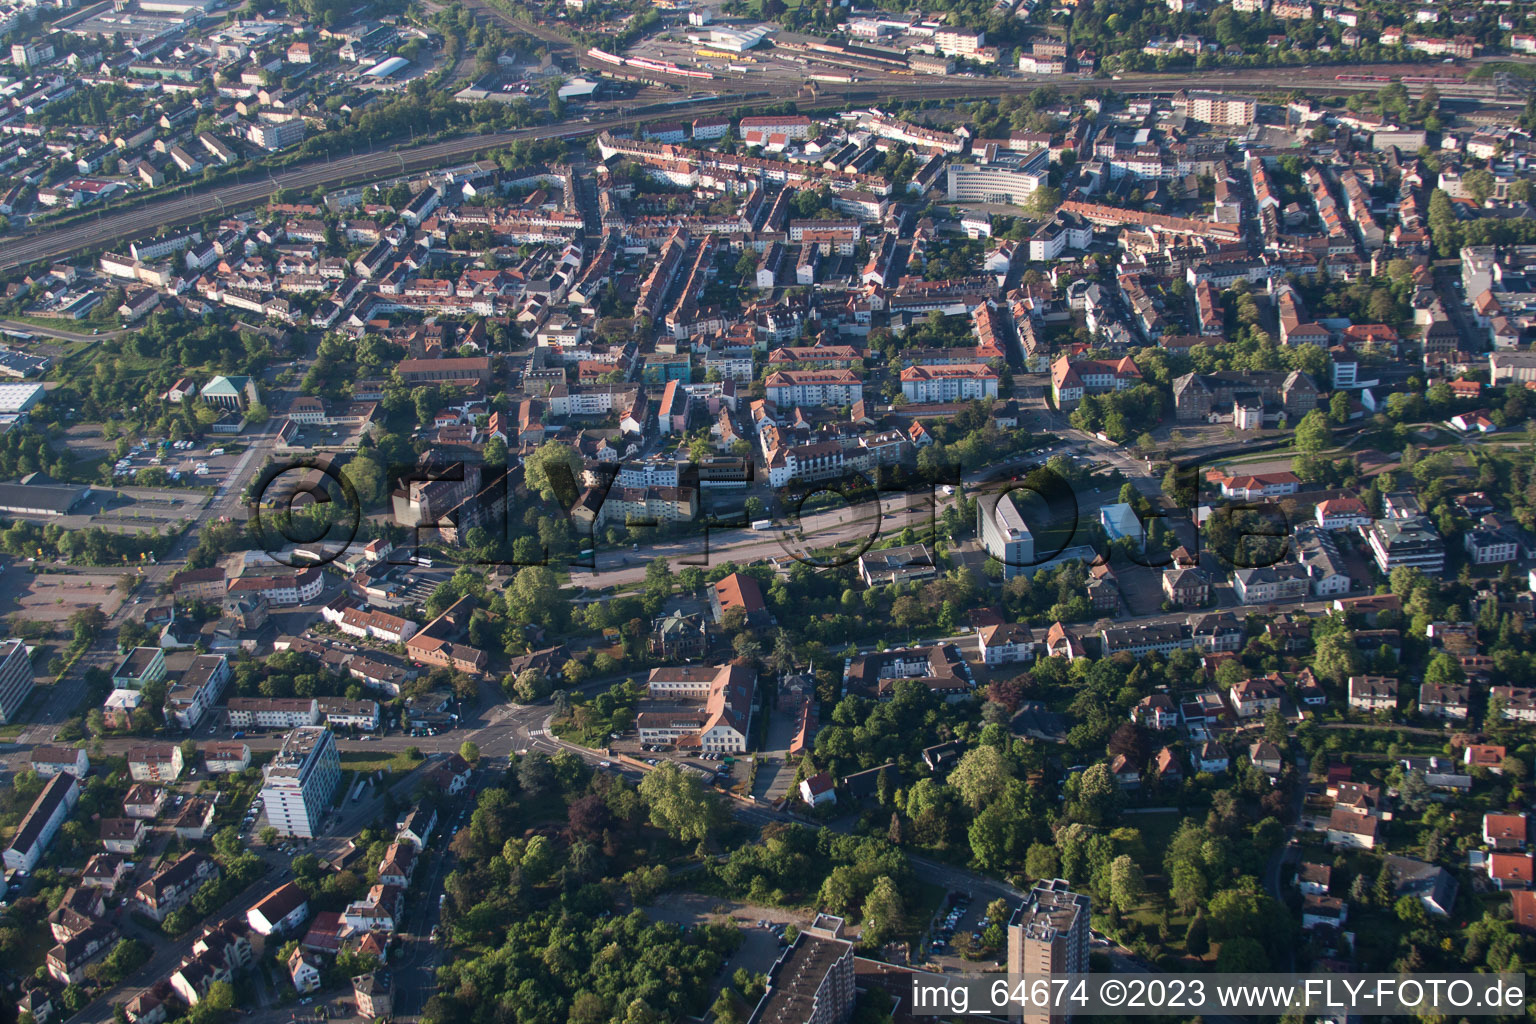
(726, 95)
(148, 216)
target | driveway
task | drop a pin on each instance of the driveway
(776, 769)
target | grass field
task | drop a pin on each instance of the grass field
(367, 761)
(1486, 71)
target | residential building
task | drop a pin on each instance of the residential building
(300, 781)
(955, 383)
(171, 888)
(49, 760)
(372, 994)
(1005, 643)
(1450, 702)
(67, 961)
(139, 667)
(1161, 638)
(1155, 711)
(1221, 110)
(122, 835)
(1506, 832)
(42, 822)
(818, 789)
(1048, 936)
(155, 762)
(787, 389)
(1253, 697)
(813, 980)
(279, 912)
(1517, 703)
(227, 757)
(198, 690)
(1433, 886)
(272, 712)
(1353, 831)
(1373, 693)
(1510, 870)
(1186, 588)
(15, 678)
(143, 801)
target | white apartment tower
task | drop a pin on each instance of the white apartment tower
(301, 780)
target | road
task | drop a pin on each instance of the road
(59, 333)
(168, 953)
(63, 698)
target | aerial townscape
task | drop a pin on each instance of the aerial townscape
(587, 511)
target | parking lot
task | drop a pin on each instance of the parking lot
(54, 597)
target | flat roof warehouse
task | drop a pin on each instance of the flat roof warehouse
(37, 495)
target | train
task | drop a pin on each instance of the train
(1405, 79)
(664, 67)
(646, 64)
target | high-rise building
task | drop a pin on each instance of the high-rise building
(301, 780)
(1004, 533)
(15, 678)
(812, 983)
(1048, 936)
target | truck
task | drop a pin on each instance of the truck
(762, 524)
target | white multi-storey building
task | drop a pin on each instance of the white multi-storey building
(789, 388)
(948, 383)
(1004, 533)
(300, 781)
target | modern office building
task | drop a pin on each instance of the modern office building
(15, 678)
(1412, 541)
(301, 780)
(1004, 533)
(1048, 936)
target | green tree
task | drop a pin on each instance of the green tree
(1126, 884)
(980, 776)
(1479, 185)
(883, 913)
(553, 470)
(1338, 408)
(679, 804)
(1313, 434)
(1197, 939)
(1336, 658)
